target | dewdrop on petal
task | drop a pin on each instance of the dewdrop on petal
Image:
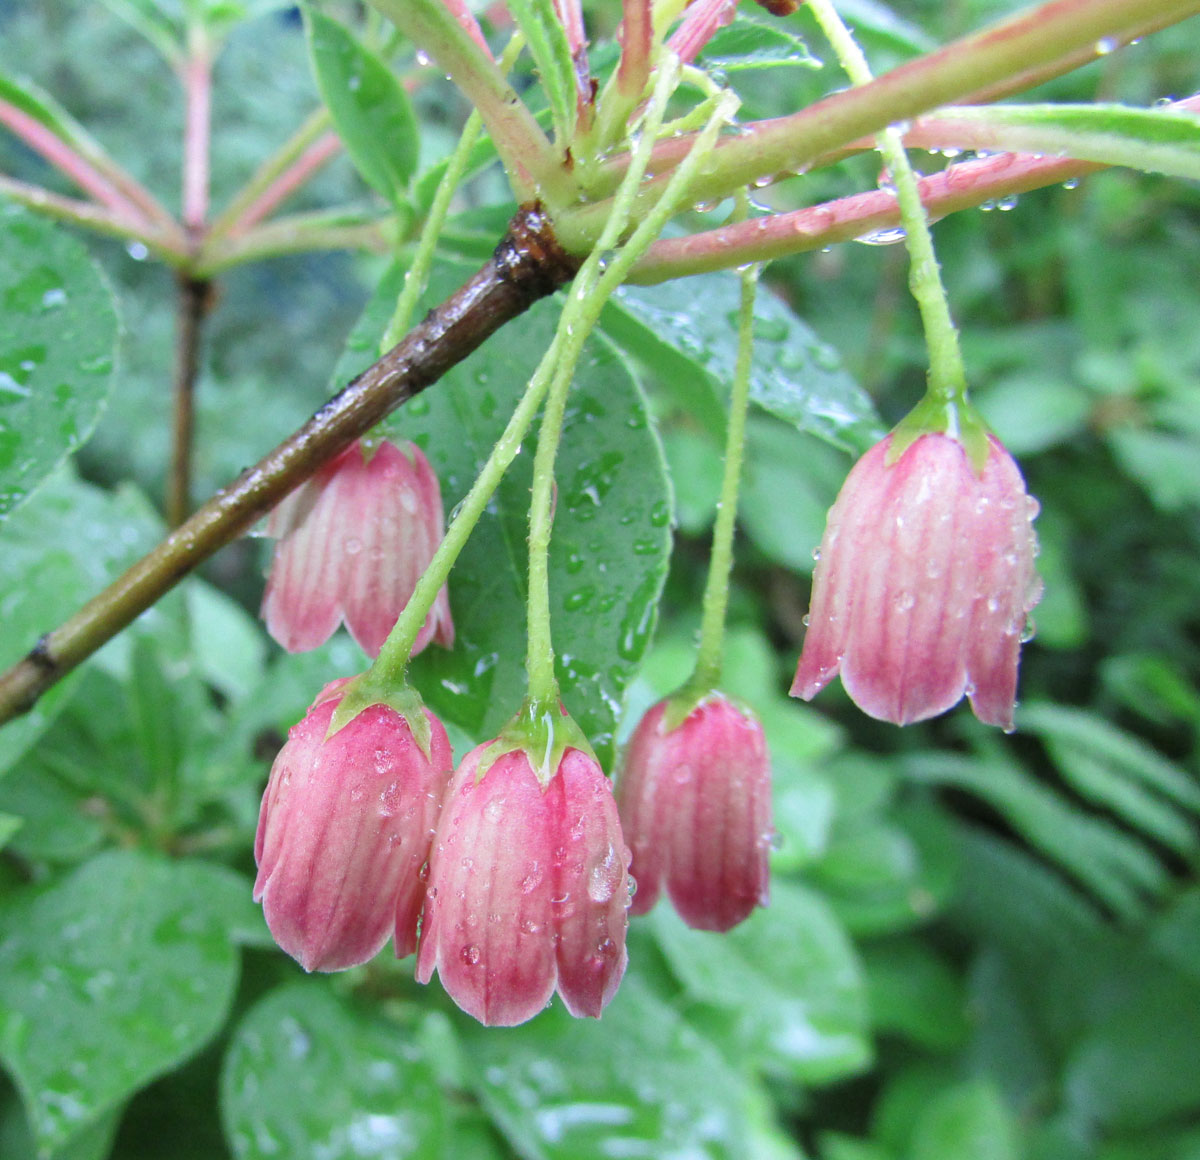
(924, 583)
(352, 543)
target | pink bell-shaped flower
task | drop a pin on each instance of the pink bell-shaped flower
(695, 804)
(528, 889)
(352, 543)
(345, 829)
(924, 583)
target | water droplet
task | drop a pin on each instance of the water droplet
(887, 236)
(470, 955)
(904, 602)
(1105, 45)
(1071, 183)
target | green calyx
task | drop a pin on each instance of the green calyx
(935, 415)
(366, 690)
(697, 693)
(545, 732)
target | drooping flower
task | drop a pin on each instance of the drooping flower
(695, 805)
(352, 543)
(924, 583)
(528, 889)
(344, 832)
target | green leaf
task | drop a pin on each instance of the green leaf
(969, 1119)
(108, 978)
(609, 553)
(370, 109)
(58, 330)
(1117, 770)
(308, 1074)
(790, 978)
(1117, 868)
(914, 993)
(747, 44)
(9, 825)
(1137, 1065)
(56, 551)
(689, 327)
(1159, 140)
(639, 1083)
(547, 38)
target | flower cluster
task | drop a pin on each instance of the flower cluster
(513, 875)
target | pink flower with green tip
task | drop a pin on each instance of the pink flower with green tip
(345, 829)
(352, 543)
(528, 889)
(695, 804)
(924, 583)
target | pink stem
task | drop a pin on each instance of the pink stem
(197, 84)
(636, 37)
(702, 20)
(291, 179)
(958, 187)
(570, 14)
(466, 18)
(61, 155)
(169, 245)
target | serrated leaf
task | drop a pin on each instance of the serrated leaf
(611, 542)
(789, 977)
(1087, 748)
(370, 109)
(108, 978)
(547, 38)
(1113, 865)
(639, 1083)
(1159, 140)
(747, 45)
(58, 330)
(308, 1074)
(692, 323)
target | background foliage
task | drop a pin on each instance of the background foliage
(978, 945)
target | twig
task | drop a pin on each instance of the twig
(527, 265)
(194, 302)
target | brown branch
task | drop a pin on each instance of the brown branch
(527, 265)
(194, 303)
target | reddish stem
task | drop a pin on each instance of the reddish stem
(66, 159)
(466, 18)
(635, 34)
(960, 186)
(699, 24)
(197, 87)
(290, 180)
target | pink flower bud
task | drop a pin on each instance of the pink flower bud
(345, 829)
(353, 542)
(924, 584)
(695, 802)
(528, 890)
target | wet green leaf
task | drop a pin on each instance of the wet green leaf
(747, 45)
(639, 1084)
(612, 537)
(109, 977)
(308, 1074)
(58, 328)
(1159, 140)
(370, 109)
(687, 331)
(56, 551)
(789, 977)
